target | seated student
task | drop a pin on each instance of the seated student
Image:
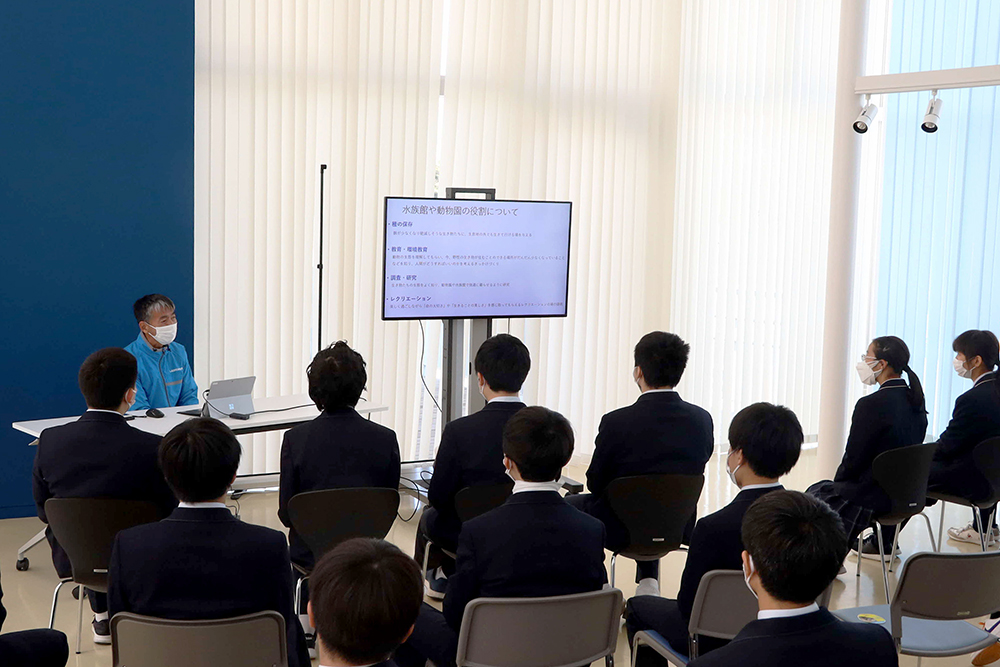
(659, 434)
(534, 545)
(976, 418)
(892, 417)
(794, 547)
(165, 378)
(338, 449)
(366, 596)
(471, 450)
(764, 443)
(32, 648)
(99, 456)
(201, 562)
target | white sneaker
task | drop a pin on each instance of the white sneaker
(648, 586)
(970, 535)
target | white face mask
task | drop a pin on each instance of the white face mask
(135, 395)
(746, 577)
(960, 368)
(867, 372)
(482, 390)
(732, 473)
(166, 334)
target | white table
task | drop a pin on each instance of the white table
(270, 414)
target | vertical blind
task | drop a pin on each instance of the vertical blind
(281, 87)
(574, 100)
(938, 270)
(753, 181)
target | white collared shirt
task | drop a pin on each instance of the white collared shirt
(113, 412)
(505, 399)
(520, 486)
(202, 506)
(660, 391)
(749, 487)
(985, 377)
(786, 613)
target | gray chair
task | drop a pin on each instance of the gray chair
(562, 631)
(902, 473)
(324, 519)
(722, 606)
(655, 509)
(470, 502)
(986, 457)
(936, 595)
(254, 640)
(86, 528)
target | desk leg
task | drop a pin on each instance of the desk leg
(22, 561)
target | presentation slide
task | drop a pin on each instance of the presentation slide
(464, 258)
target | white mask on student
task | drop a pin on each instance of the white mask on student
(960, 368)
(732, 473)
(867, 372)
(166, 334)
(746, 577)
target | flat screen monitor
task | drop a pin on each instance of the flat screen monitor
(465, 258)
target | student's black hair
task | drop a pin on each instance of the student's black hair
(337, 377)
(149, 304)
(975, 343)
(504, 362)
(797, 544)
(662, 358)
(105, 376)
(365, 597)
(893, 351)
(199, 459)
(539, 441)
(769, 436)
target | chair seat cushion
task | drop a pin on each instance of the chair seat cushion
(658, 643)
(927, 638)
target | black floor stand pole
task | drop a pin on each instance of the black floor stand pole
(319, 327)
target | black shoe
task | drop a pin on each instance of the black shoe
(102, 632)
(435, 586)
(869, 549)
(311, 645)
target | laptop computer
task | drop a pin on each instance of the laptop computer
(226, 397)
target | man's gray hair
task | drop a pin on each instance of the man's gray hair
(149, 304)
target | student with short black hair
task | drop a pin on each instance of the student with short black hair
(658, 434)
(534, 545)
(99, 456)
(976, 418)
(201, 562)
(165, 377)
(366, 597)
(764, 444)
(471, 451)
(794, 547)
(892, 417)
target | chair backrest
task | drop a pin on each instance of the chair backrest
(902, 473)
(655, 509)
(723, 604)
(562, 631)
(254, 640)
(987, 457)
(324, 519)
(472, 501)
(946, 587)
(86, 530)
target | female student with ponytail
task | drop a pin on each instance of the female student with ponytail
(892, 417)
(976, 418)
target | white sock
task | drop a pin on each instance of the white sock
(439, 574)
(103, 616)
(304, 621)
(648, 586)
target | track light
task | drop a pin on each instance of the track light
(933, 116)
(866, 117)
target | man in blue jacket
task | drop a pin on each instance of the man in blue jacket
(165, 377)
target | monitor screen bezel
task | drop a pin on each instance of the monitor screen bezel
(385, 237)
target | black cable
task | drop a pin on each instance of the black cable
(423, 344)
(416, 500)
(294, 407)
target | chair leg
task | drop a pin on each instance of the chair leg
(427, 556)
(979, 526)
(55, 599)
(858, 571)
(79, 622)
(881, 549)
(613, 557)
(895, 543)
(609, 660)
(298, 595)
(941, 527)
(930, 531)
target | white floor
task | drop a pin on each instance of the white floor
(27, 595)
